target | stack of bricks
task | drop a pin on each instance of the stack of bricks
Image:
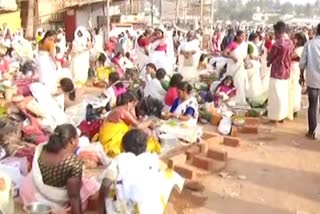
(216, 139)
(198, 161)
(251, 126)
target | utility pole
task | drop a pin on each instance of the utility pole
(212, 13)
(131, 6)
(152, 13)
(160, 6)
(201, 14)
(177, 10)
(108, 20)
(185, 11)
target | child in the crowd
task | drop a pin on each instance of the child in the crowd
(154, 87)
(224, 91)
(203, 62)
(117, 60)
(151, 72)
(103, 71)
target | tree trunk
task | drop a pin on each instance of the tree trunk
(30, 19)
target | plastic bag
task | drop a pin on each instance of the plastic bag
(225, 126)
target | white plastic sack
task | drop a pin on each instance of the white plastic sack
(225, 126)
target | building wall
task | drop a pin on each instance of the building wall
(83, 14)
(12, 19)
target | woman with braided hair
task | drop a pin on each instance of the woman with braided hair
(56, 177)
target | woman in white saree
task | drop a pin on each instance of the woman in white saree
(136, 181)
(158, 51)
(46, 63)
(237, 53)
(295, 89)
(142, 51)
(185, 108)
(80, 61)
(254, 76)
(56, 175)
(189, 55)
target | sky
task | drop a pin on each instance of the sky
(298, 1)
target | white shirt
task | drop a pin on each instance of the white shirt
(155, 90)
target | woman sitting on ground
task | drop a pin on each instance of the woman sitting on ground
(119, 121)
(172, 93)
(154, 87)
(74, 96)
(185, 107)
(102, 71)
(56, 177)
(143, 184)
(224, 91)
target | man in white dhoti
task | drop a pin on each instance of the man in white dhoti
(80, 53)
(189, 55)
(280, 59)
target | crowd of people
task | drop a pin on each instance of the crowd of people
(114, 92)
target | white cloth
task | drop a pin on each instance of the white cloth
(143, 183)
(254, 77)
(47, 71)
(62, 43)
(155, 90)
(188, 67)
(170, 48)
(160, 58)
(54, 115)
(77, 113)
(238, 72)
(182, 107)
(295, 88)
(278, 105)
(98, 42)
(80, 61)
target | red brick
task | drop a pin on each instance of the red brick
(231, 141)
(178, 159)
(192, 151)
(214, 140)
(208, 135)
(215, 119)
(203, 147)
(253, 121)
(217, 155)
(249, 129)
(202, 162)
(185, 172)
(234, 131)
